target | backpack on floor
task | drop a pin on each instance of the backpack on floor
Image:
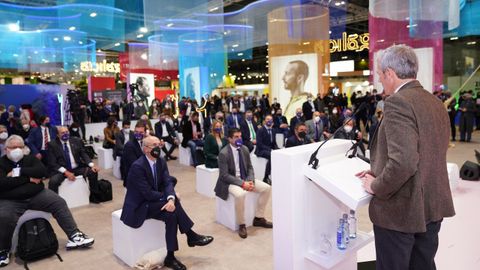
(36, 240)
(103, 192)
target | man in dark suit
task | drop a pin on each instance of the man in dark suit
(132, 150)
(308, 107)
(299, 137)
(151, 194)
(236, 177)
(22, 189)
(40, 137)
(10, 118)
(121, 138)
(234, 119)
(249, 131)
(67, 159)
(192, 136)
(165, 132)
(408, 177)
(297, 119)
(265, 144)
(280, 123)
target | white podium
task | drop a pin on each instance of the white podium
(324, 195)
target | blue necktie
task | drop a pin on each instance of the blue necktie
(155, 181)
(243, 172)
(66, 152)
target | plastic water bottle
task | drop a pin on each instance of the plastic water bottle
(346, 227)
(352, 224)
(341, 244)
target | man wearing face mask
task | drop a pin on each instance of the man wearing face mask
(10, 118)
(297, 119)
(39, 138)
(308, 107)
(121, 138)
(300, 136)
(315, 128)
(132, 150)
(234, 119)
(22, 129)
(67, 159)
(151, 194)
(22, 189)
(249, 131)
(236, 177)
(265, 144)
(165, 132)
(192, 136)
(3, 138)
(280, 123)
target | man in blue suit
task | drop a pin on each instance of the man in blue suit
(234, 119)
(151, 194)
(132, 150)
(265, 144)
(40, 137)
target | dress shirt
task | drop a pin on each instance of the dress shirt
(152, 163)
(72, 159)
(398, 88)
(45, 131)
(253, 136)
(164, 130)
(237, 160)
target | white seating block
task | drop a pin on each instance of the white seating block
(105, 158)
(185, 155)
(28, 215)
(259, 165)
(453, 175)
(206, 179)
(131, 244)
(75, 193)
(116, 168)
(280, 140)
(225, 210)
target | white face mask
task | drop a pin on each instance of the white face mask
(3, 136)
(75, 129)
(348, 128)
(317, 118)
(334, 111)
(15, 155)
(26, 127)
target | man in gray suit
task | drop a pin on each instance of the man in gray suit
(408, 176)
(236, 178)
(315, 128)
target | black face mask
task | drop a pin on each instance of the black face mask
(302, 134)
(155, 152)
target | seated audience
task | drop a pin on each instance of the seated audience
(234, 119)
(23, 129)
(151, 194)
(349, 132)
(3, 138)
(67, 159)
(315, 128)
(280, 123)
(132, 150)
(249, 131)
(10, 118)
(39, 138)
(214, 142)
(109, 132)
(265, 144)
(192, 136)
(121, 138)
(22, 188)
(299, 137)
(165, 132)
(297, 119)
(236, 177)
(74, 130)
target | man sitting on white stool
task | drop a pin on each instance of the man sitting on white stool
(236, 178)
(21, 189)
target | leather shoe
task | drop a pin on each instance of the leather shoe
(262, 222)
(174, 264)
(202, 240)
(242, 231)
(172, 157)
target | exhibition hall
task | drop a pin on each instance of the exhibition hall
(239, 134)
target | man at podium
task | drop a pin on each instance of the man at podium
(408, 176)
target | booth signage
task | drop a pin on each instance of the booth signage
(88, 66)
(352, 42)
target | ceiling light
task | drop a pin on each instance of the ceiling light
(14, 27)
(99, 50)
(471, 43)
(337, 4)
(239, 54)
(144, 56)
(453, 38)
(170, 25)
(93, 14)
(80, 42)
(243, 60)
(139, 36)
(55, 39)
(164, 61)
(72, 28)
(213, 9)
(344, 57)
(67, 38)
(15, 55)
(117, 44)
(235, 45)
(143, 29)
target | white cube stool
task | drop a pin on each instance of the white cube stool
(205, 180)
(131, 244)
(75, 193)
(28, 215)
(225, 210)
(280, 140)
(116, 168)
(453, 175)
(259, 165)
(185, 155)
(105, 158)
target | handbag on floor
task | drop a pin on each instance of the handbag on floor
(103, 192)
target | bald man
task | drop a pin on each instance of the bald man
(67, 159)
(151, 194)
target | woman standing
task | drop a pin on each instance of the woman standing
(213, 143)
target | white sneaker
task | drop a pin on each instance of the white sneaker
(79, 240)
(4, 258)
